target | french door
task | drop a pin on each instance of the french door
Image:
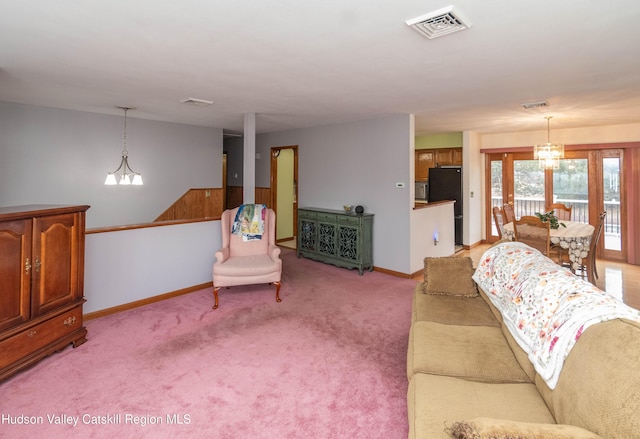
(590, 181)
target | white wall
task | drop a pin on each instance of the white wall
(130, 265)
(53, 156)
(569, 136)
(472, 189)
(425, 223)
(356, 163)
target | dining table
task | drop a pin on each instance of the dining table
(574, 237)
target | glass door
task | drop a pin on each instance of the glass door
(609, 164)
(516, 179)
(528, 185)
(590, 181)
(571, 185)
(496, 198)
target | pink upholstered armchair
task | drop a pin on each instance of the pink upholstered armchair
(241, 262)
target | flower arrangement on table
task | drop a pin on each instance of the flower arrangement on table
(549, 217)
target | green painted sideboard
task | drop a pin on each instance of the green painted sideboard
(336, 237)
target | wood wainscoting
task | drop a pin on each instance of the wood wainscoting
(235, 196)
(208, 203)
(195, 204)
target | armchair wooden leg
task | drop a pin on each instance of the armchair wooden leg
(277, 291)
(215, 296)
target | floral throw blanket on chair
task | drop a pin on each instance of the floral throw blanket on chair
(249, 221)
(545, 307)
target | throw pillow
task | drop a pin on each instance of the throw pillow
(450, 276)
(487, 428)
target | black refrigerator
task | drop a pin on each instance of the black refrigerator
(445, 183)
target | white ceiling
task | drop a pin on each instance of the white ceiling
(298, 63)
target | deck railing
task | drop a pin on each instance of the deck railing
(579, 213)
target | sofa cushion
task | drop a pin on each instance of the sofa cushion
(435, 402)
(478, 353)
(449, 276)
(489, 428)
(453, 310)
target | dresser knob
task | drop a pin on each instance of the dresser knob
(31, 334)
(70, 321)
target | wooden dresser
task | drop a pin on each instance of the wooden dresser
(41, 282)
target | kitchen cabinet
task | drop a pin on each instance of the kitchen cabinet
(457, 156)
(448, 156)
(336, 237)
(444, 157)
(41, 283)
(431, 158)
(423, 161)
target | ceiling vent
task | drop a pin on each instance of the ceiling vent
(196, 101)
(539, 104)
(438, 23)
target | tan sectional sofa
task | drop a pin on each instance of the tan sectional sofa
(469, 378)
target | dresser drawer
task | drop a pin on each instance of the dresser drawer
(328, 217)
(307, 214)
(30, 340)
(349, 220)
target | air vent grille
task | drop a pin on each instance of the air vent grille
(196, 101)
(439, 23)
(539, 104)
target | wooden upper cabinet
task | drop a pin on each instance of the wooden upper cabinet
(424, 161)
(444, 157)
(457, 156)
(430, 158)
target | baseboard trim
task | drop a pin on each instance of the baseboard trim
(469, 247)
(142, 302)
(392, 272)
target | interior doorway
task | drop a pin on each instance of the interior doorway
(284, 191)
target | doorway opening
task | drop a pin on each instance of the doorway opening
(284, 193)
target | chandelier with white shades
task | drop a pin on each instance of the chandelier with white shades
(124, 175)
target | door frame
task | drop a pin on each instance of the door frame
(275, 152)
(595, 196)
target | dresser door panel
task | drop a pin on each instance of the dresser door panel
(15, 272)
(55, 252)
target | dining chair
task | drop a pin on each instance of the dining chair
(509, 216)
(590, 263)
(561, 211)
(498, 219)
(532, 231)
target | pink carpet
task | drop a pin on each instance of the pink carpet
(329, 361)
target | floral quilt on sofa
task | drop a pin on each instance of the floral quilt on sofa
(545, 307)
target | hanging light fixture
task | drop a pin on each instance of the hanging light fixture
(123, 175)
(548, 154)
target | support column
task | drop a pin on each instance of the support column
(249, 165)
